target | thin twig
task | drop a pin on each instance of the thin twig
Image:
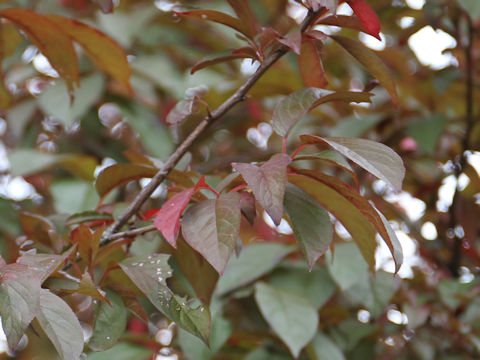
(237, 97)
(455, 259)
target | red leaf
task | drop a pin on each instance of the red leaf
(218, 17)
(244, 13)
(219, 58)
(268, 183)
(310, 65)
(167, 220)
(367, 16)
(293, 40)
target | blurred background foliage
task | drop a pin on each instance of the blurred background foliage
(51, 151)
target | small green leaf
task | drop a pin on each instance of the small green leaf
(268, 183)
(371, 61)
(292, 317)
(195, 318)
(110, 322)
(310, 223)
(61, 325)
(19, 300)
(254, 261)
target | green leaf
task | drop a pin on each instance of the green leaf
(253, 262)
(310, 223)
(50, 40)
(316, 285)
(371, 62)
(376, 158)
(292, 317)
(293, 107)
(55, 100)
(346, 265)
(103, 51)
(211, 227)
(44, 264)
(324, 348)
(471, 7)
(195, 318)
(120, 174)
(110, 323)
(122, 351)
(268, 183)
(149, 273)
(354, 221)
(19, 300)
(427, 131)
(61, 325)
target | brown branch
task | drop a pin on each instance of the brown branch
(215, 115)
(461, 161)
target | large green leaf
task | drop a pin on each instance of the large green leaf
(293, 107)
(346, 265)
(352, 218)
(371, 61)
(324, 348)
(292, 317)
(268, 183)
(192, 316)
(61, 325)
(110, 322)
(19, 300)
(310, 223)
(211, 227)
(373, 156)
(253, 262)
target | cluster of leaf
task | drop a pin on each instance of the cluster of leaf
(201, 251)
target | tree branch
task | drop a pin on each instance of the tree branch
(215, 115)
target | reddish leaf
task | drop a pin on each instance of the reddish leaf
(247, 206)
(217, 59)
(86, 286)
(358, 226)
(82, 237)
(367, 16)
(316, 5)
(218, 17)
(268, 183)
(376, 158)
(244, 13)
(105, 5)
(167, 220)
(45, 264)
(267, 37)
(104, 52)
(293, 40)
(371, 214)
(211, 227)
(372, 63)
(50, 39)
(19, 300)
(343, 21)
(39, 228)
(310, 65)
(183, 109)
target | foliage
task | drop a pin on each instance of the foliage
(215, 180)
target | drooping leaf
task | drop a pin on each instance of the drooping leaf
(310, 223)
(371, 62)
(44, 264)
(253, 262)
(218, 17)
(291, 317)
(378, 221)
(49, 39)
(61, 325)
(367, 16)
(293, 107)
(110, 323)
(149, 273)
(354, 221)
(268, 183)
(106, 53)
(310, 65)
(245, 15)
(344, 21)
(211, 227)
(376, 158)
(86, 286)
(195, 318)
(217, 59)
(120, 174)
(19, 300)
